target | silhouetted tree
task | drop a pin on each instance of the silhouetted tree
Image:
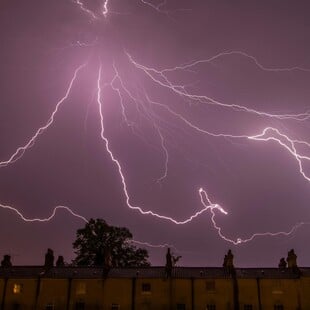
(99, 244)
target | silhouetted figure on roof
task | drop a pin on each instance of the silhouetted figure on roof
(228, 263)
(292, 261)
(168, 263)
(60, 261)
(6, 262)
(282, 263)
(49, 259)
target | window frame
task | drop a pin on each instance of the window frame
(146, 288)
(17, 288)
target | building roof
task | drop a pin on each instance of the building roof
(18, 272)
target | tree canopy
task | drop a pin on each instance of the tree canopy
(99, 244)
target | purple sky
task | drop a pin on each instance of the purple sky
(257, 182)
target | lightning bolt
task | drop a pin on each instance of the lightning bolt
(22, 149)
(163, 246)
(150, 116)
(69, 210)
(159, 77)
(232, 53)
(290, 146)
(105, 8)
(120, 172)
(205, 200)
(237, 241)
(85, 10)
(153, 6)
(166, 155)
(282, 139)
(47, 219)
(208, 205)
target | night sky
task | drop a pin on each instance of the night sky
(254, 73)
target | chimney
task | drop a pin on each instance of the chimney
(168, 263)
(6, 262)
(60, 261)
(49, 259)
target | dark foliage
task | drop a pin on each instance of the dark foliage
(99, 244)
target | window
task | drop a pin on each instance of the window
(115, 307)
(181, 307)
(247, 307)
(16, 306)
(278, 307)
(146, 288)
(211, 307)
(210, 286)
(80, 305)
(17, 288)
(81, 288)
(50, 306)
(146, 306)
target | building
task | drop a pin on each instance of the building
(31, 287)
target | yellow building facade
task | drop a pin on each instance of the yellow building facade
(27, 287)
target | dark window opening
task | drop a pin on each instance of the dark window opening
(210, 286)
(146, 287)
(16, 306)
(50, 307)
(80, 305)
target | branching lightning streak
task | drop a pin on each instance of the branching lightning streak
(47, 219)
(116, 89)
(204, 197)
(120, 171)
(84, 44)
(194, 127)
(160, 78)
(155, 7)
(229, 53)
(206, 202)
(22, 149)
(181, 91)
(290, 147)
(105, 9)
(84, 9)
(166, 153)
(165, 245)
(157, 128)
